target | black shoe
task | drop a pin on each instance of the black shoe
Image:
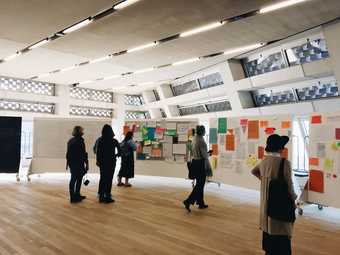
(75, 200)
(187, 205)
(204, 206)
(82, 197)
(108, 201)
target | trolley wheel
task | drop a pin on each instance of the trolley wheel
(320, 207)
(300, 211)
(28, 179)
(18, 179)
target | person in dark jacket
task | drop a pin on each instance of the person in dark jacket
(201, 166)
(77, 161)
(127, 169)
(106, 160)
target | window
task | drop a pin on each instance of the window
(136, 100)
(25, 106)
(155, 92)
(91, 94)
(137, 115)
(91, 112)
(265, 97)
(300, 141)
(26, 138)
(219, 106)
(211, 80)
(263, 64)
(163, 114)
(190, 110)
(185, 88)
(27, 86)
(308, 52)
(318, 91)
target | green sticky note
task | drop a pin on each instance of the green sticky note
(170, 132)
(222, 125)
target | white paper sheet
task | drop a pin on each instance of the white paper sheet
(180, 149)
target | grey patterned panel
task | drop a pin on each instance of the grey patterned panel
(137, 115)
(308, 52)
(219, 107)
(190, 110)
(136, 100)
(25, 106)
(90, 111)
(211, 80)
(91, 94)
(27, 86)
(319, 91)
(281, 97)
(185, 88)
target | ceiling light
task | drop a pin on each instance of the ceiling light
(111, 77)
(144, 70)
(97, 60)
(243, 49)
(191, 60)
(280, 5)
(67, 69)
(43, 75)
(85, 82)
(124, 4)
(77, 26)
(17, 54)
(38, 44)
(202, 29)
(142, 47)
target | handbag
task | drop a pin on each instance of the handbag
(280, 205)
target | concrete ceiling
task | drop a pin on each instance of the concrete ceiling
(27, 21)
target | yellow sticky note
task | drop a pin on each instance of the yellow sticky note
(328, 165)
(251, 161)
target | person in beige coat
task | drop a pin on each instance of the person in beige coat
(276, 234)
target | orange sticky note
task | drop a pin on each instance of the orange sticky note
(260, 152)
(316, 181)
(316, 119)
(230, 143)
(214, 148)
(314, 161)
(253, 129)
(284, 153)
(230, 131)
(285, 124)
(264, 123)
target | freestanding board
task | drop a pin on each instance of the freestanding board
(324, 161)
(10, 144)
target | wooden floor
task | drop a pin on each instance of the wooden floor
(36, 218)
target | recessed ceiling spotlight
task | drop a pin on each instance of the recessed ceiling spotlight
(187, 61)
(77, 26)
(280, 5)
(202, 29)
(124, 4)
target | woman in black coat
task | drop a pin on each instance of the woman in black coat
(77, 161)
(127, 169)
(106, 160)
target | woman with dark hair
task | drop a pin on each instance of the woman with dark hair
(200, 164)
(106, 160)
(277, 233)
(77, 161)
(127, 169)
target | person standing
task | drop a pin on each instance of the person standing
(276, 234)
(200, 164)
(106, 160)
(77, 161)
(127, 169)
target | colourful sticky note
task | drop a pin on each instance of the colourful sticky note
(264, 123)
(284, 153)
(156, 153)
(328, 165)
(251, 161)
(260, 152)
(285, 124)
(151, 133)
(222, 125)
(253, 129)
(230, 143)
(213, 135)
(270, 130)
(316, 181)
(214, 148)
(314, 161)
(230, 131)
(171, 132)
(213, 162)
(147, 142)
(316, 119)
(244, 122)
(337, 133)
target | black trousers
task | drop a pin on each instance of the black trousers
(75, 183)
(197, 194)
(276, 245)
(105, 181)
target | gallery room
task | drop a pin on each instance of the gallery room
(170, 127)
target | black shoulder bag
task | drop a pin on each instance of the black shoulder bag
(280, 204)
